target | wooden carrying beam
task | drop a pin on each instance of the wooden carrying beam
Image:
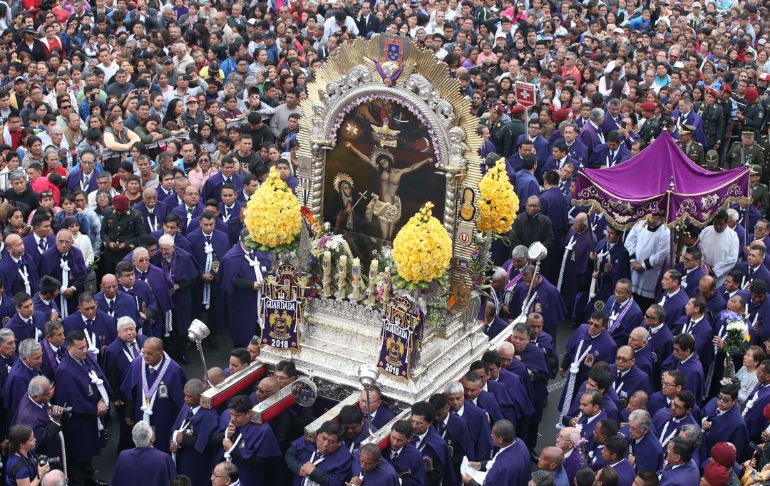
(382, 436)
(331, 414)
(233, 385)
(265, 411)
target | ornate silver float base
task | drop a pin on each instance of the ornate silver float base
(338, 336)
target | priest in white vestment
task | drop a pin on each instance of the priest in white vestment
(648, 246)
(720, 245)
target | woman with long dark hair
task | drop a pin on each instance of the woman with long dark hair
(21, 468)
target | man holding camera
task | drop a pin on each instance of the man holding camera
(44, 419)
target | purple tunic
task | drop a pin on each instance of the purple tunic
(193, 460)
(181, 271)
(22, 330)
(154, 221)
(335, 466)
(220, 245)
(166, 406)
(545, 299)
(626, 319)
(10, 273)
(46, 431)
(50, 264)
(382, 475)
(577, 271)
(46, 308)
(674, 305)
(143, 465)
(75, 389)
(104, 328)
(693, 374)
(15, 387)
(241, 298)
(602, 347)
(680, 475)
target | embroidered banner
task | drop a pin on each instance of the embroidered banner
(401, 337)
(283, 299)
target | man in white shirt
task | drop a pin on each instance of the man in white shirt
(337, 23)
(720, 247)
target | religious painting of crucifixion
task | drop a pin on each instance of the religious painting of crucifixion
(382, 170)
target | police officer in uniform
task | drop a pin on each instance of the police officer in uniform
(502, 134)
(745, 152)
(690, 147)
(121, 229)
(753, 115)
(729, 110)
(713, 119)
(712, 161)
(650, 128)
(759, 193)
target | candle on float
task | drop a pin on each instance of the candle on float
(373, 268)
(342, 275)
(355, 277)
(326, 265)
(386, 286)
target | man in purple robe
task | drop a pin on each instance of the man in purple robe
(715, 371)
(753, 267)
(160, 286)
(172, 227)
(643, 359)
(117, 358)
(208, 247)
(756, 402)
(116, 303)
(191, 438)
(23, 370)
(515, 404)
(722, 422)
(212, 188)
(370, 468)
(180, 269)
(475, 418)
(589, 344)
(685, 359)
(229, 214)
(80, 384)
(17, 271)
(759, 312)
(614, 454)
(27, 323)
(65, 263)
(404, 457)
(475, 393)
(628, 378)
(668, 422)
(624, 313)
(512, 383)
(715, 303)
(40, 239)
(52, 347)
(143, 464)
(643, 444)
(379, 413)
(611, 263)
(242, 272)
(511, 464)
(674, 297)
(431, 445)
(323, 460)
(599, 379)
(699, 326)
(44, 299)
(352, 420)
(690, 268)
(591, 135)
(152, 210)
(661, 341)
(545, 299)
(567, 441)
(153, 391)
(36, 412)
(454, 430)
(98, 327)
(680, 469)
(144, 300)
(190, 207)
(575, 272)
(732, 286)
(534, 358)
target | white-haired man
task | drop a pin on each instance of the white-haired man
(143, 464)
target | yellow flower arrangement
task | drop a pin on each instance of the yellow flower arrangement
(422, 249)
(273, 214)
(498, 202)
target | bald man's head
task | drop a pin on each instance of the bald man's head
(551, 459)
(15, 245)
(215, 376)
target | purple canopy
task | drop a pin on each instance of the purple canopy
(660, 181)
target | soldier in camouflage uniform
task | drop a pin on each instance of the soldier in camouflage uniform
(759, 194)
(713, 119)
(745, 152)
(690, 147)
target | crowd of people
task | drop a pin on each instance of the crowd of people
(134, 133)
